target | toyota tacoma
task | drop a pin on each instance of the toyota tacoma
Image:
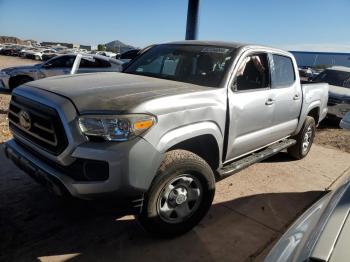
(179, 117)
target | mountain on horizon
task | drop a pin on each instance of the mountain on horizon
(118, 46)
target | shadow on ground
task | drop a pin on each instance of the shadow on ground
(5, 92)
(36, 225)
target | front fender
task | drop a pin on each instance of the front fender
(183, 133)
(31, 73)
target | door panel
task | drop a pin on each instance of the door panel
(250, 122)
(251, 106)
(55, 71)
(287, 92)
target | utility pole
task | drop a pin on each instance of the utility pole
(192, 19)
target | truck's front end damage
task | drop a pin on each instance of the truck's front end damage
(49, 145)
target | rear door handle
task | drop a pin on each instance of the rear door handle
(269, 101)
(296, 97)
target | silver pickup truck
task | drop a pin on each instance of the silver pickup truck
(179, 117)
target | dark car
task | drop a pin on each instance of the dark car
(11, 51)
(338, 78)
(131, 54)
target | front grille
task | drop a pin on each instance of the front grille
(44, 127)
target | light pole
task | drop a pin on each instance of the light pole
(192, 19)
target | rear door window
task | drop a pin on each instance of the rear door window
(282, 74)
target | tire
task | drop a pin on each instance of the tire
(180, 195)
(19, 80)
(304, 139)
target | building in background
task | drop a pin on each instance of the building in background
(68, 45)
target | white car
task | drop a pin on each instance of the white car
(107, 53)
(35, 53)
(12, 77)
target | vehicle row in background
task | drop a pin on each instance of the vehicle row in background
(12, 77)
(338, 78)
(44, 53)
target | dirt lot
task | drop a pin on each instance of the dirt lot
(8, 61)
(330, 135)
(248, 216)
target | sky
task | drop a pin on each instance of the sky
(311, 25)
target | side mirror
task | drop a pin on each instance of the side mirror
(345, 122)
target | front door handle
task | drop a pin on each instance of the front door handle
(269, 101)
(296, 97)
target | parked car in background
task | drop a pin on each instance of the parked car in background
(129, 55)
(305, 72)
(36, 53)
(27, 50)
(180, 115)
(11, 50)
(322, 233)
(49, 55)
(345, 122)
(338, 78)
(12, 77)
(107, 53)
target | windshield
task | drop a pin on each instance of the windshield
(196, 64)
(334, 77)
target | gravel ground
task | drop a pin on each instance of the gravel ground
(4, 131)
(8, 61)
(329, 134)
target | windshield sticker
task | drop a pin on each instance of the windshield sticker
(218, 50)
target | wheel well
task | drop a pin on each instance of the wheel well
(204, 146)
(315, 113)
(14, 80)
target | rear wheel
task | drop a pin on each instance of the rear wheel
(304, 139)
(180, 195)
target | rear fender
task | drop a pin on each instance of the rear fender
(306, 109)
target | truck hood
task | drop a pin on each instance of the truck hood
(112, 91)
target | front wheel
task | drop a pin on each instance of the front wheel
(180, 195)
(304, 139)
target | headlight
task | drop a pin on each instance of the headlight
(115, 127)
